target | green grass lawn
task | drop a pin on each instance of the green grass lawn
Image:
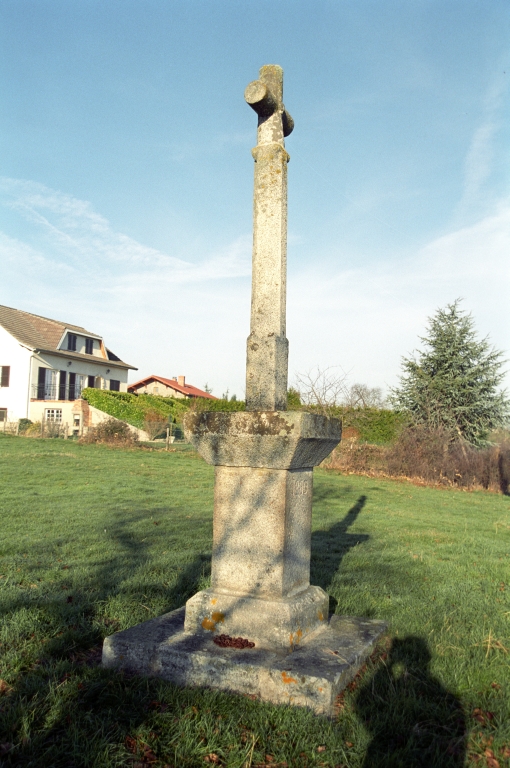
(95, 539)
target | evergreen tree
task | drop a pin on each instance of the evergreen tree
(454, 383)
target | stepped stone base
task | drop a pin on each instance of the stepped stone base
(311, 676)
(281, 624)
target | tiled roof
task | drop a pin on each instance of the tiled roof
(44, 334)
(185, 389)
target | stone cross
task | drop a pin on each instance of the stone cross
(267, 345)
(260, 599)
(264, 457)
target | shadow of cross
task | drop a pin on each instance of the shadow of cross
(331, 545)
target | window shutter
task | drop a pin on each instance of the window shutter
(41, 383)
(6, 372)
(72, 386)
(91, 381)
(62, 385)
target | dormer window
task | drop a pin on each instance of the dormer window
(71, 342)
(89, 346)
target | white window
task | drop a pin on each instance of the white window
(81, 383)
(53, 414)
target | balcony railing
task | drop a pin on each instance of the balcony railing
(55, 392)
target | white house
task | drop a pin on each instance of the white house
(45, 365)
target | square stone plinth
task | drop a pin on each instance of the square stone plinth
(275, 624)
(312, 676)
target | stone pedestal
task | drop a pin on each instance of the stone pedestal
(260, 588)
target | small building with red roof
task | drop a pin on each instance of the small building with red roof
(176, 387)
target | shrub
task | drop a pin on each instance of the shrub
(111, 432)
(428, 455)
(23, 425)
(375, 425)
(293, 400)
(33, 429)
(155, 425)
(431, 454)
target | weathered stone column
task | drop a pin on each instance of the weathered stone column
(267, 345)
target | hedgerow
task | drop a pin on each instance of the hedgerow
(378, 426)
(135, 408)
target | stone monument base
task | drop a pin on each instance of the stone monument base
(311, 676)
(273, 624)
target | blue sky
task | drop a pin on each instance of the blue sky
(126, 187)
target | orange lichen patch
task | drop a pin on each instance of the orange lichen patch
(321, 689)
(213, 601)
(320, 615)
(287, 678)
(209, 624)
(299, 635)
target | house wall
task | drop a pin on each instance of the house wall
(98, 349)
(15, 397)
(37, 408)
(158, 388)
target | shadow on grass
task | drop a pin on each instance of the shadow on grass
(69, 612)
(413, 719)
(78, 711)
(330, 546)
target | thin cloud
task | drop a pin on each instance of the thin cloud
(76, 235)
(479, 162)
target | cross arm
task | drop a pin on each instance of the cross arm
(260, 99)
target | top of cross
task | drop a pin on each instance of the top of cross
(265, 96)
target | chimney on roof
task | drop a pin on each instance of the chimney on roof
(181, 380)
